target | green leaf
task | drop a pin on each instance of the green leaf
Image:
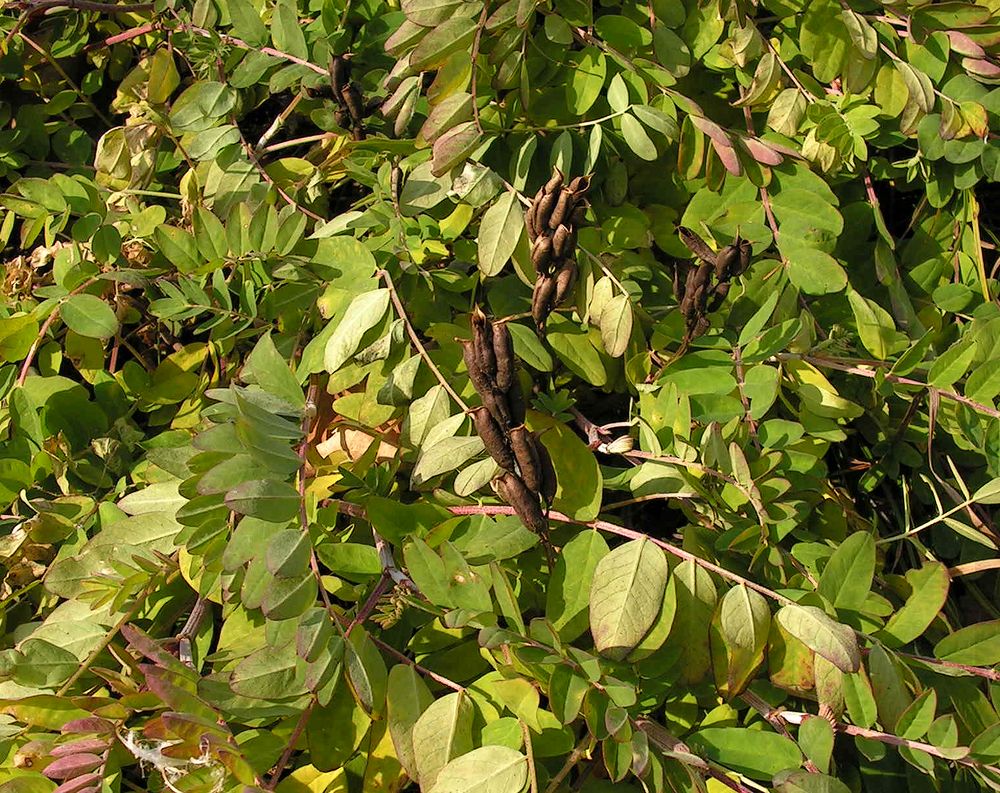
(637, 138)
(976, 645)
(952, 364)
(696, 598)
(810, 269)
(442, 733)
(89, 316)
(407, 697)
(444, 456)
(567, 596)
(247, 24)
(286, 31)
(179, 247)
(616, 325)
(756, 753)
(586, 80)
(17, 334)
(875, 326)
(985, 747)
(808, 782)
(914, 722)
(928, 593)
(364, 313)
(267, 499)
(580, 484)
(265, 367)
(269, 673)
(816, 740)
(488, 769)
(198, 108)
(366, 672)
(742, 623)
(822, 635)
(626, 595)
(847, 577)
(450, 36)
(499, 231)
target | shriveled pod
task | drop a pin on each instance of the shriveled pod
(493, 438)
(555, 182)
(480, 381)
(541, 253)
(579, 186)
(353, 101)
(543, 210)
(565, 282)
(482, 343)
(524, 502)
(562, 210)
(559, 239)
(496, 404)
(579, 214)
(696, 245)
(726, 262)
(549, 484)
(531, 214)
(719, 295)
(746, 251)
(503, 351)
(515, 403)
(523, 444)
(541, 298)
(340, 73)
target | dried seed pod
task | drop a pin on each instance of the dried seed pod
(482, 343)
(548, 488)
(524, 502)
(726, 262)
(496, 404)
(531, 214)
(353, 101)
(559, 238)
(493, 439)
(579, 186)
(565, 282)
(515, 403)
(543, 210)
(555, 182)
(340, 72)
(503, 351)
(678, 284)
(372, 105)
(579, 214)
(746, 251)
(480, 381)
(696, 245)
(541, 253)
(342, 118)
(563, 209)
(523, 444)
(719, 295)
(541, 299)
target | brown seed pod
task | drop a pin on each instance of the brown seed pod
(746, 251)
(579, 186)
(543, 210)
(493, 439)
(496, 404)
(549, 484)
(531, 214)
(696, 245)
(352, 99)
(480, 381)
(579, 214)
(523, 444)
(559, 238)
(503, 351)
(340, 73)
(541, 253)
(541, 299)
(678, 284)
(719, 295)
(555, 182)
(565, 282)
(482, 343)
(524, 502)
(563, 209)
(726, 262)
(515, 403)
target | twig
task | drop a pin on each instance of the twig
(475, 56)
(579, 751)
(66, 78)
(252, 155)
(287, 144)
(279, 122)
(369, 605)
(30, 357)
(293, 739)
(34, 6)
(530, 754)
(190, 628)
(232, 40)
(894, 740)
(398, 305)
(740, 383)
(444, 681)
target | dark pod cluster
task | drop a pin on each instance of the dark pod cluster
(528, 473)
(552, 219)
(352, 109)
(705, 286)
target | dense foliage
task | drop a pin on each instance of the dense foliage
(251, 538)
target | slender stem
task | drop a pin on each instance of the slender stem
(444, 681)
(30, 357)
(109, 637)
(232, 40)
(279, 122)
(475, 56)
(369, 606)
(34, 6)
(293, 739)
(398, 305)
(530, 754)
(287, 144)
(579, 751)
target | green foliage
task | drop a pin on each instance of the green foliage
(248, 533)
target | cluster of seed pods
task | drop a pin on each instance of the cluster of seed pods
(352, 110)
(528, 474)
(707, 283)
(552, 220)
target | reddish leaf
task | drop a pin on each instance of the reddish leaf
(78, 747)
(72, 766)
